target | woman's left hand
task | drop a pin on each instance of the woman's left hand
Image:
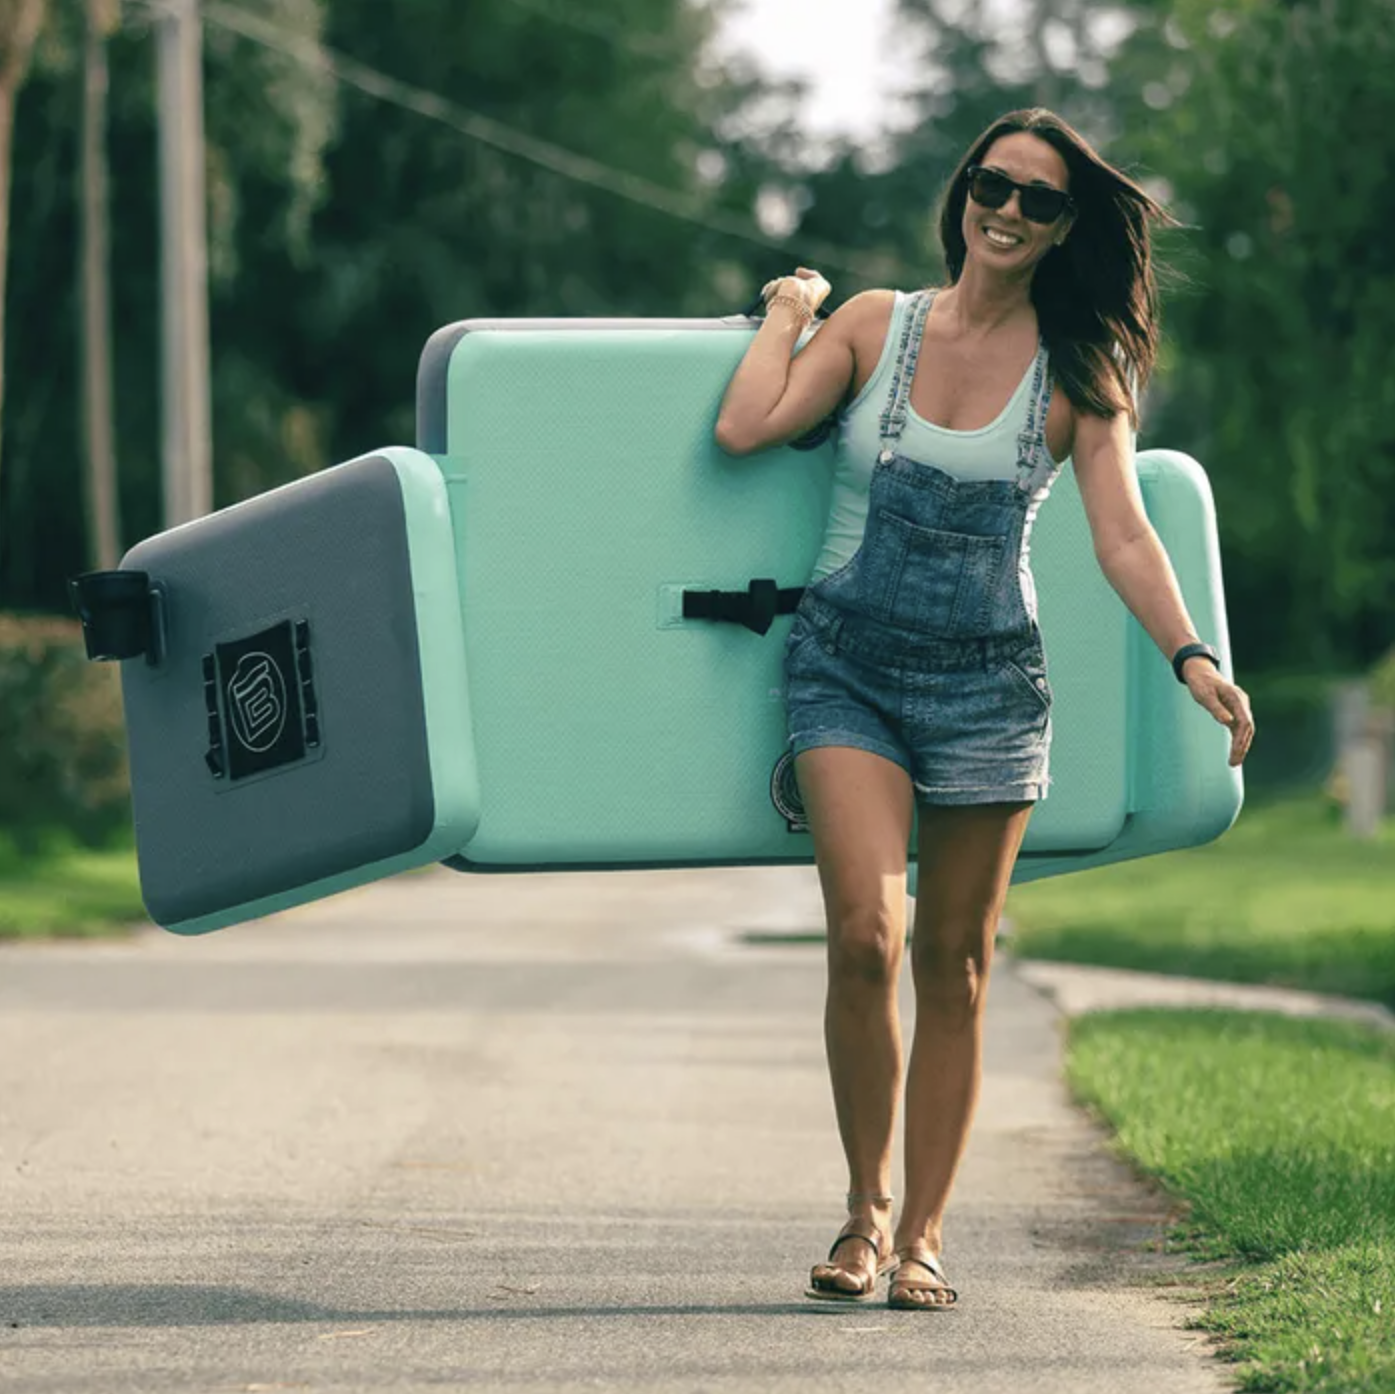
(1226, 702)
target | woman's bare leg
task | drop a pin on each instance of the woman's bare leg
(965, 856)
(860, 809)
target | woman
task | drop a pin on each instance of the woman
(916, 675)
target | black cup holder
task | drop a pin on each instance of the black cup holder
(122, 614)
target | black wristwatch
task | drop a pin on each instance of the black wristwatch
(1193, 651)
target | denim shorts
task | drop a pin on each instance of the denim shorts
(969, 720)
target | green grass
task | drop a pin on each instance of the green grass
(68, 891)
(1280, 1136)
(1285, 897)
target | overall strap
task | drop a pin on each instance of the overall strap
(893, 419)
(1031, 443)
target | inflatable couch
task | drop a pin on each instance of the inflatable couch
(550, 637)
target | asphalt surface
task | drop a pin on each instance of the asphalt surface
(566, 1132)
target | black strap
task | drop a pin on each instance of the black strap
(1193, 651)
(872, 1240)
(755, 607)
(122, 614)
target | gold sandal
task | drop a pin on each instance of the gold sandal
(856, 1228)
(905, 1302)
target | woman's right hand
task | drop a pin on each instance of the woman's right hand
(805, 285)
(776, 396)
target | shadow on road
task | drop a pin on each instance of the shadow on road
(169, 1304)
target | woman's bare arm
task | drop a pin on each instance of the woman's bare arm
(776, 395)
(1136, 564)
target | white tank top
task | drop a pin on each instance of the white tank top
(987, 453)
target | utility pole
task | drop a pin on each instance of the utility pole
(103, 517)
(188, 448)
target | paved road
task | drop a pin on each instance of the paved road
(521, 1133)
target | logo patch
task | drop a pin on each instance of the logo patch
(256, 697)
(261, 701)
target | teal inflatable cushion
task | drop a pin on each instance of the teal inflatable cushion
(588, 493)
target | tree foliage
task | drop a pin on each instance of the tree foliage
(371, 178)
(1271, 123)
(344, 227)
(20, 24)
(266, 123)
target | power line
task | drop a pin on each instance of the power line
(565, 163)
(649, 45)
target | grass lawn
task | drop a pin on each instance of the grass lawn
(1285, 897)
(68, 891)
(1280, 1135)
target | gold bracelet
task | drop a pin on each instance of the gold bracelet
(794, 302)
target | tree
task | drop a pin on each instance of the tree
(267, 123)
(20, 22)
(371, 176)
(429, 224)
(1272, 124)
(103, 520)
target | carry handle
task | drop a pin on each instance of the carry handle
(755, 607)
(122, 614)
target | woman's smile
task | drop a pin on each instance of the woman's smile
(998, 238)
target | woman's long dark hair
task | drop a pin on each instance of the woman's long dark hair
(1096, 296)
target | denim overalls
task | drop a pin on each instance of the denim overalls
(925, 647)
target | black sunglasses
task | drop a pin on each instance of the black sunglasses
(1039, 202)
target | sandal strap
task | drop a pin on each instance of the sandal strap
(856, 1228)
(921, 1254)
(848, 1232)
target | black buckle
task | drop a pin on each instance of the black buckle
(755, 607)
(122, 615)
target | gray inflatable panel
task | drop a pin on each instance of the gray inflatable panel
(282, 740)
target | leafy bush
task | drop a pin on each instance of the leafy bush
(62, 739)
(1383, 681)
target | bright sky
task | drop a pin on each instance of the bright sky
(845, 47)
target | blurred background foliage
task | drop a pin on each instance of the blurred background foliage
(374, 173)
